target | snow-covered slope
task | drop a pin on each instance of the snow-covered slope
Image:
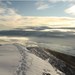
(9, 59)
(16, 59)
(33, 65)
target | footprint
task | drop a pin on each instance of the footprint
(44, 73)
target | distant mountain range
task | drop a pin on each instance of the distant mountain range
(55, 34)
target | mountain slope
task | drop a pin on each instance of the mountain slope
(34, 65)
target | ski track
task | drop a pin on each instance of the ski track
(22, 67)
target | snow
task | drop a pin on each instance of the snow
(34, 65)
(9, 59)
(39, 66)
(15, 59)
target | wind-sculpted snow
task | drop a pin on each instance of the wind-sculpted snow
(55, 62)
(34, 65)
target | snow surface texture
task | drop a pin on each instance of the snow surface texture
(15, 59)
(33, 65)
(55, 62)
(9, 59)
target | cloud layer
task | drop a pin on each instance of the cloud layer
(41, 5)
(71, 10)
(10, 18)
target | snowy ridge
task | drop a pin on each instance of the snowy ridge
(32, 65)
(35, 60)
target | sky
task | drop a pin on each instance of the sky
(42, 8)
(53, 13)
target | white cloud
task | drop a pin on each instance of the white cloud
(49, 21)
(8, 2)
(11, 19)
(71, 10)
(2, 10)
(42, 5)
(54, 1)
